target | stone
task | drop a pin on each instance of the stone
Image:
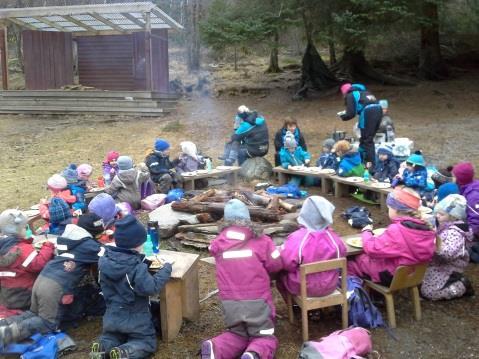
(256, 168)
(169, 220)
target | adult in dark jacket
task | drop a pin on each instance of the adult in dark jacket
(290, 125)
(249, 140)
(361, 102)
(128, 330)
(54, 287)
(161, 168)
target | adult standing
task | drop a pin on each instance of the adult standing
(361, 102)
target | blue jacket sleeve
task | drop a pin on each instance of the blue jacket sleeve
(146, 284)
(242, 131)
(284, 158)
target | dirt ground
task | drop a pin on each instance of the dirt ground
(442, 119)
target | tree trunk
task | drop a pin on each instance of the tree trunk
(193, 37)
(236, 59)
(273, 59)
(431, 63)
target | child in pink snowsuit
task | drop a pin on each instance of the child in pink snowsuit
(244, 260)
(408, 240)
(314, 241)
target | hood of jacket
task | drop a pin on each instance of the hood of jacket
(357, 87)
(128, 176)
(418, 237)
(7, 243)
(72, 237)
(353, 157)
(116, 262)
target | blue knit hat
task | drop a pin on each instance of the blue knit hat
(416, 159)
(124, 163)
(161, 145)
(70, 173)
(446, 189)
(58, 210)
(129, 233)
(385, 150)
(236, 210)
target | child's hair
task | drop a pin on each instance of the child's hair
(342, 146)
(290, 121)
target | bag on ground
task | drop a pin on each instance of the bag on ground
(362, 311)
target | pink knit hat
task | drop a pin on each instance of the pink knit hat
(84, 171)
(57, 182)
(345, 88)
(112, 156)
(464, 173)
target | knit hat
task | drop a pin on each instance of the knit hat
(385, 150)
(416, 159)
(112, 156)
(442, 175)
(316, 213)
(13, 222)
(70, 173)
(446, 189)
(129, 233)
(124, 163)
(57, 182)
(342, 146)
(464, 173)
(236, 210)
(454, 205)
(384, 104)
(289, 140)
(403, 200)
(58, 210)
(189, 148)
(243, 112)
(161, 145)
(329, 143)
(104, 206)
(84, 171)
(92, 223)
(345, 88)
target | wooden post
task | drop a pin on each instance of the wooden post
(148, 54)
(4, 57)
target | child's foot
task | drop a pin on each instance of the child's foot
(207, 350)
(118, 353)
(8, 334)
(97, 351)
(250, 355)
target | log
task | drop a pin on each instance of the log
(287, 206)
(257, 199)
(274, 204)
(195, 237)
(257, 213)
(203, 196)
(205, 218)
(205, 228)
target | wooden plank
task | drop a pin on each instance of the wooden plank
(23, 24)
(107, 22)
(90, 93)
(190, 293)
(171, 309)
(4, 56)
(80, 23)
(133, 19)
(50, 23)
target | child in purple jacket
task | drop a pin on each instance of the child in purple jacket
(444, 277)
(314, 241)
(408, 240)
(244, 260)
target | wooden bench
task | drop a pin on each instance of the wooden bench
(326, 183)
(231, 172)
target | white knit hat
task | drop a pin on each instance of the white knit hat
(289, 140)
(242, 109)
(189, 148)
(13, 222)
(57, 182)
(454, 205)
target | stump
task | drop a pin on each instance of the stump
(256, 168)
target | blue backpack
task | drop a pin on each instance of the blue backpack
(48, 346)
(362, 312)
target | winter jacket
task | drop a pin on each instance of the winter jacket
(253, 134)
(350, 165)
(158, 165)
(187, 163)
(471, 192)
(66, 195)
(304, 246)
(126, 186)
(243, 263)
(386, 170)
(296, 158)
(452, 256)
(279, 139)
(416, 179)
(327, 160)
(77, 251)
(20, 264)
(406, 241)
(78, 191)
(109, 172)
(357, 101)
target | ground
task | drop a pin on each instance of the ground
(440, 117)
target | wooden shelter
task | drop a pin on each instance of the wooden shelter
(122, 48)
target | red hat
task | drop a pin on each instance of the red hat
(112, 156)
(464, 173)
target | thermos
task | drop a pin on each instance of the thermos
(209, 165)
(154, 234)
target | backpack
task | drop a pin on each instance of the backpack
(47, 346)
(358, 217)
(362, 311)
(342, 344)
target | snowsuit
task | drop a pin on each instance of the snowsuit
(305, 246)
(406, 241)
(416, 179)
(350, 165)
(327, 160)
(471, 192)
(361, 102)
(279, 142)
(243, 263)
(126, 186)
(127, 285)
(451, 257)
(161, 171)
(20, 264)
(54, 287)
(386, 170)
(78, 190)
(186, 163)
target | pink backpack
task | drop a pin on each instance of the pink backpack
(342, 344)
(153, 201)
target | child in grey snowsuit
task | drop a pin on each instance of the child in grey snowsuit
(128, 330)
(161, 168)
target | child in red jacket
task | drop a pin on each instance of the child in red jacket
(20, 263)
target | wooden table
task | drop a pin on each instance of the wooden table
(180, 297)
(93, 193)
(231, 173)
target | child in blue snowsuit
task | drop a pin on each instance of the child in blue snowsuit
(293, 155)
(76, 188)
(128, 330)
(387, 166)
(328, 159)
(415, 175)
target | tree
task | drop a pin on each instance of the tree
(193, 34)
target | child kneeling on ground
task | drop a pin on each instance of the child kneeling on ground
(444, 277)
(244, 259)
(128, 330)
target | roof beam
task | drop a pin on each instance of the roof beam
(163, 16)
(133, 19)
(50, 23)
(107, 22)
(23, 24)
(79, 23)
